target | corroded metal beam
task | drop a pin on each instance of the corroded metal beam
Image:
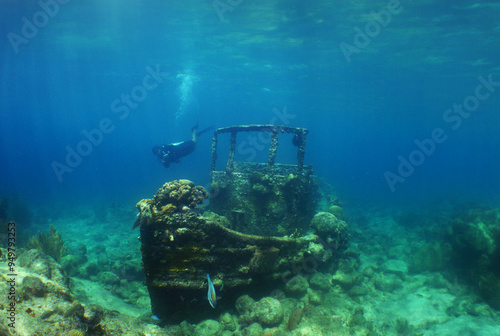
(232, 149)
(301, 143)
(214, 152)
(260, 128)
(300, 135)
(272, 150)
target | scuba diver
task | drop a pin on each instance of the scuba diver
(173, 152)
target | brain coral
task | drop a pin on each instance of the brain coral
(180, 193)
(174, 196)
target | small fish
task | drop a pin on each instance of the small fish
(158, 321)
(295, 317)
(211, 296)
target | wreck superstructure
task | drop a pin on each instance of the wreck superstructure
(270, 198)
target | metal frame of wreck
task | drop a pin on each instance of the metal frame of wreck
(274, 130)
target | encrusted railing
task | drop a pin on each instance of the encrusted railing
(299, 140)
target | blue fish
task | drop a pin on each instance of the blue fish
(211, 296)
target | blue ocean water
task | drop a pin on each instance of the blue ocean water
(366, 84)
(400, 97)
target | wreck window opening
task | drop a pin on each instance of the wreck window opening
(252, 147)
(298, 140)
(287, 152)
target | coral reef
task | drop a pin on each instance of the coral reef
(45, 305)
(297, 286)
(332, 230)
(268, 312)
(320, 281)
(51, 244)
(386, 283)
(173, 197)
(475, 239)
(208, 328)
(337, 211)
(431, 257)
(180, 193)
(39, 263)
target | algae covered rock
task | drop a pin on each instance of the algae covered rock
(34, 286)
(254, 329)
(186, 328)
(358, 291)
(264, 260)
(395, 266)
(337, 211)
(319, 252)
(333, 231)
(297, 285)
(72, 263)
(314, 297)
(476, 232)
(244, 304)
(228, 322)
(39, 263)
(474, 236)
(325, 222)
(208, 328)
(108, 278)
(369, 271)
(431, 257)
(268, 312)
(387, 283)
(346, 280)
(90, 269)
(489, 288)
(221, 220)
(321, 281)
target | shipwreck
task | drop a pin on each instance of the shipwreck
(252, 237)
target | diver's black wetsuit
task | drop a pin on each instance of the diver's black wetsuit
(171, 153)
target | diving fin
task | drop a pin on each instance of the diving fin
(205, 130)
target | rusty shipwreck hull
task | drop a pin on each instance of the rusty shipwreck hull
(180, 250)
